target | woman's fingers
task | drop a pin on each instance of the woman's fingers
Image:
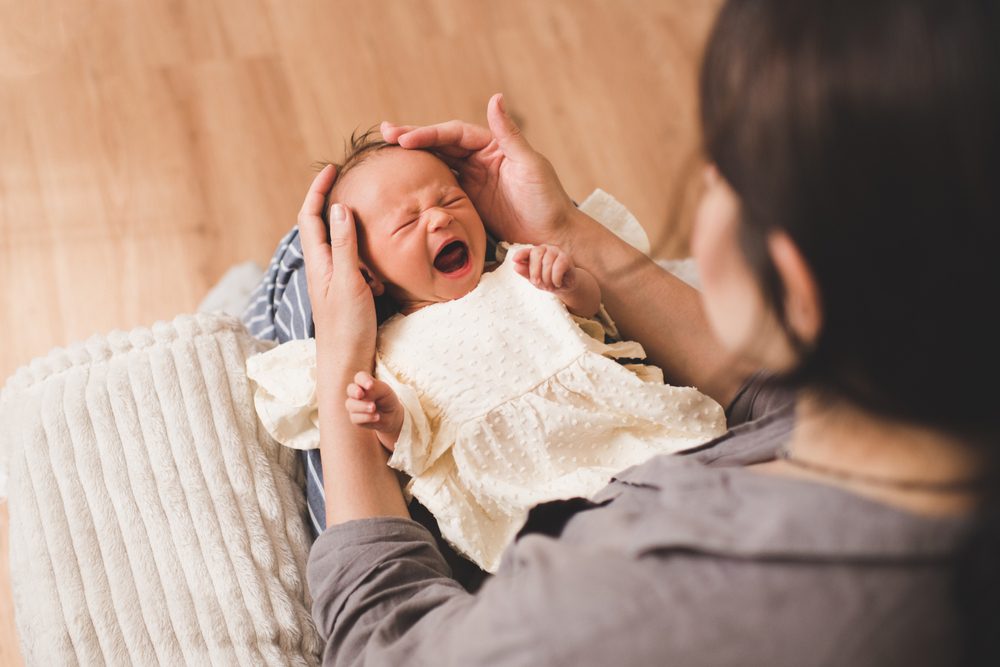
(508, 135)
(452, 155)
(458, 139)
(316, 196)
(342, 249)
(391, 131)
(343, 240)
(453, 137)
(315, 249)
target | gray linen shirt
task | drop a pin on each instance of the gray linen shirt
(683, 560)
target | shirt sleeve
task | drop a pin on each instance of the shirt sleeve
(382, 594)
(284, 381)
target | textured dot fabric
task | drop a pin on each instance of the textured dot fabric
(508, 403)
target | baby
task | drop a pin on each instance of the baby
(493, 386)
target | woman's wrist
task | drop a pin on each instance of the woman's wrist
(572, 231)
(587, 241)
(340, 352)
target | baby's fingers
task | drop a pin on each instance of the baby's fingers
(357, 405)
(361, 412)
(549, 257)
(521, 260)
(364, 380)
(535, 265)
(563, 276)
(378, 391)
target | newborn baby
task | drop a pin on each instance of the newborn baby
(493, 386)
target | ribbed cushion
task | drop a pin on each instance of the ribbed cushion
(151, 520)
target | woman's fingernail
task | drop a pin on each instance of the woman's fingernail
(500, 103)
(338, 213)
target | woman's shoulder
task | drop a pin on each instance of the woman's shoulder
(726, 556)
(731, 565)
(671, 502)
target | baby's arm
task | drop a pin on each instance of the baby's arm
(372, 404)
(550, 268)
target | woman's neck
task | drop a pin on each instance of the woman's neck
(898, 463)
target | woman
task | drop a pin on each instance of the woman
(842, 240)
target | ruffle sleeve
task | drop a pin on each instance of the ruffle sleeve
(284, 381)
(423, 438)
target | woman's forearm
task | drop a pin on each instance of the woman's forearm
(657, 309)
(357, 481)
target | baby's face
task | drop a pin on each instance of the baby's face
(418, 232)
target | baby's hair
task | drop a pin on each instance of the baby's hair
(362, 146)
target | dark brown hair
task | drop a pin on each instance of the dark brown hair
(362, 146)
(869, 132)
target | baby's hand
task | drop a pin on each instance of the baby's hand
(547, 267)
(373, 404)
(551, 269)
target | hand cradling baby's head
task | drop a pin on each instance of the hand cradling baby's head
(420, 239)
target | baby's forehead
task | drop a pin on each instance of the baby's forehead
(390, 175)
(411, 161)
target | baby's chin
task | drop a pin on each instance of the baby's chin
(448, 286)
(460, 283)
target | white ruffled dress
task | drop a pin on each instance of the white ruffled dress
(508, 403)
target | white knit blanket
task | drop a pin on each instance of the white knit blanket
(151, 520)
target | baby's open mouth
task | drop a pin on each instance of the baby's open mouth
(453, 257)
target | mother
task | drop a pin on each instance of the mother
(849, 215)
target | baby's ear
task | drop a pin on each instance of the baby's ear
(374, 282)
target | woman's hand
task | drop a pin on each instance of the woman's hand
(342, 303)
(514, 188)
(357, 481)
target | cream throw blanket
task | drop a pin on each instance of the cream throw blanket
(151, 520)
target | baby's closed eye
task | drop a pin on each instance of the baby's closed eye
(404, 225)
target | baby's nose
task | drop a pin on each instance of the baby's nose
(438, 219)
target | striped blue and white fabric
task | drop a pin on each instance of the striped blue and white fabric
(279, 310)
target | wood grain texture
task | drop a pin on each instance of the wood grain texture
(148, 146)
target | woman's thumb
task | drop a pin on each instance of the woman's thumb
(343, 237)
(507, 134)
